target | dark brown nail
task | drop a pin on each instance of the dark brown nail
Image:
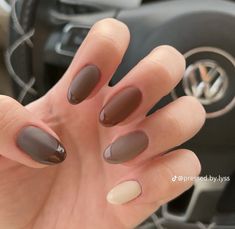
(126, 147)
(120, 106)
(83, 84)
(40, 146)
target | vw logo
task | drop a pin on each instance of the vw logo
(209, 77)
(206, 81)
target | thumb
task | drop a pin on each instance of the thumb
(25, 139)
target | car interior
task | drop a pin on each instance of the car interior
(40, 38)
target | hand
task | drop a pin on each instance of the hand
(97, 185)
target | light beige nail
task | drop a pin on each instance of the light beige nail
(124, 192)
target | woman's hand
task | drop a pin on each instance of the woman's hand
(115, 173)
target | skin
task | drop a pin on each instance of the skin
(73, 193)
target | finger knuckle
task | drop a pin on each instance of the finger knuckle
(165, 174)
(175, 124)
(8, 111)
(162, 77)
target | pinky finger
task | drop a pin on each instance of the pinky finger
(156, 182)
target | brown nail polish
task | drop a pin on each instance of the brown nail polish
(40, 146)
(126, 147)
(120, 106)
(83, 84)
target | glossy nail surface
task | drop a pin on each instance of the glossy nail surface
(120, 106)
(124, 192)
(40, 146)
(126, 147)
(83, 84)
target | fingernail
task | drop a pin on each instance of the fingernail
(126, 147)
(124, 192)
(120, 106)
(83, 84)
(40, 146)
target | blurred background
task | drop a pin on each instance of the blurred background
(5, 87)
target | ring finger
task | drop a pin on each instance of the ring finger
(169, 127)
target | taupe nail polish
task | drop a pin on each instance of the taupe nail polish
(40, 146)
(126, 147)
(120, 106)
(83, 84)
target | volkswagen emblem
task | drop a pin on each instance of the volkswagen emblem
(206, 81)
(209, 77)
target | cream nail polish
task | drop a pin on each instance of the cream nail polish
(124, 192)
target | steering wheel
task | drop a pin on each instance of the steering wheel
(44, 36)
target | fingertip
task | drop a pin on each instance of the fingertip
(192, 159)
(114, 31)
(169, 65)
(198, 108)
(108, 25)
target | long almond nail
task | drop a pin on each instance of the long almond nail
(126, 147)
(40, 146)
(120, 106)
(124, 192)
(83, 84)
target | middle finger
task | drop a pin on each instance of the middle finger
(152, 78)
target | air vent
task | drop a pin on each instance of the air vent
(148, 1)
(76, 8)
